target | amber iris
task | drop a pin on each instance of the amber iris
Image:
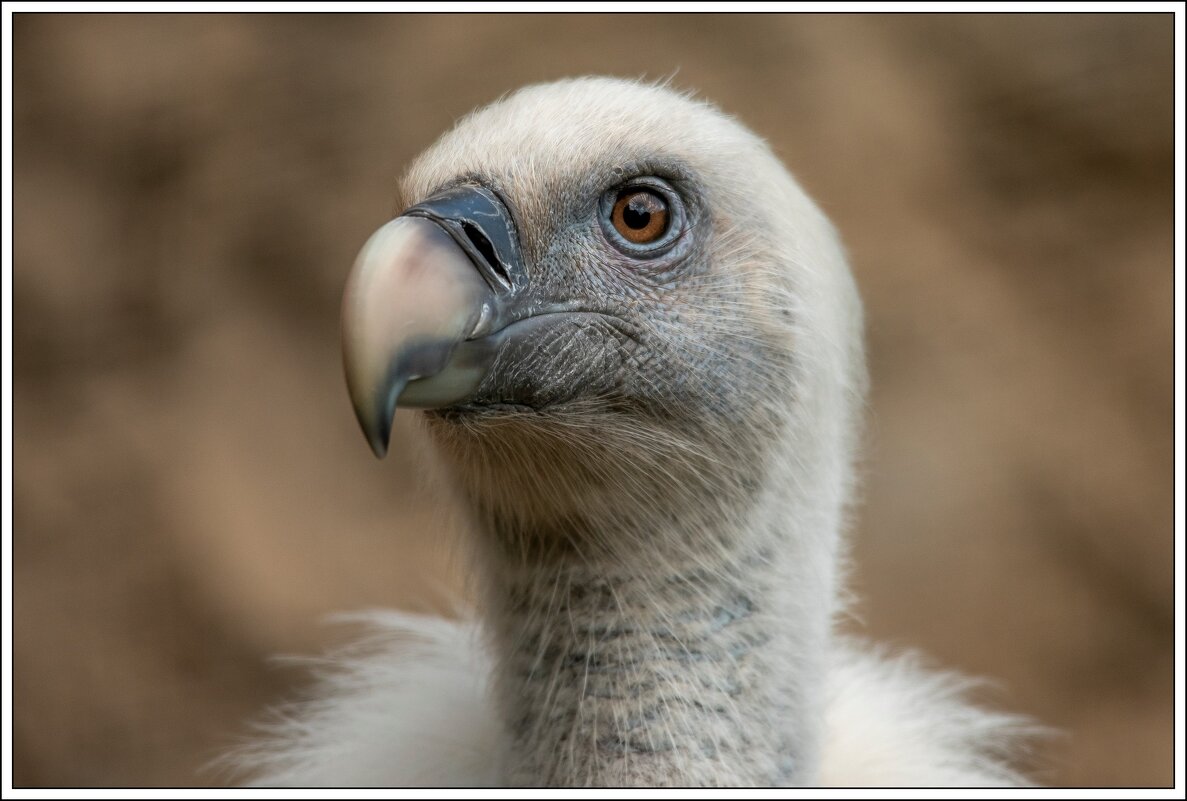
(640, 216)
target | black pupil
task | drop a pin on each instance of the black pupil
(637, 213)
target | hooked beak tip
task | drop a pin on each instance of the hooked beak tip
(375, 416)
(378, 446)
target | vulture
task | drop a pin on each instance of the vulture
(637, 351)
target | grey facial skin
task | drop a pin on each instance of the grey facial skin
(440, 311)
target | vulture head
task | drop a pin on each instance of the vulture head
(617, 309)
(637, 346)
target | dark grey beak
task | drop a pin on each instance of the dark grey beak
(425, 291)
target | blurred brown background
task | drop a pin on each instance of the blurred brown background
(192, 496)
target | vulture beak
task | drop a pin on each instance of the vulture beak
(425, 295)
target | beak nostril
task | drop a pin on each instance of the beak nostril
(481, 225)
(484, 247)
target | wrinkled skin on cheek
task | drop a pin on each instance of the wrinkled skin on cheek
(589, 413)
(559, 358)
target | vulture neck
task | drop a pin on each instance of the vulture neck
(667, 643)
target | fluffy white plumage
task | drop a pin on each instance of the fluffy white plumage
(659, 584)
(410, 705)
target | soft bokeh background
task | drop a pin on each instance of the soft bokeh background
(191, 496)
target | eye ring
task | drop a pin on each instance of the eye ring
(643, 218)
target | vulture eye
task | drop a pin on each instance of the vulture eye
(640, 216)
(642, 219)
